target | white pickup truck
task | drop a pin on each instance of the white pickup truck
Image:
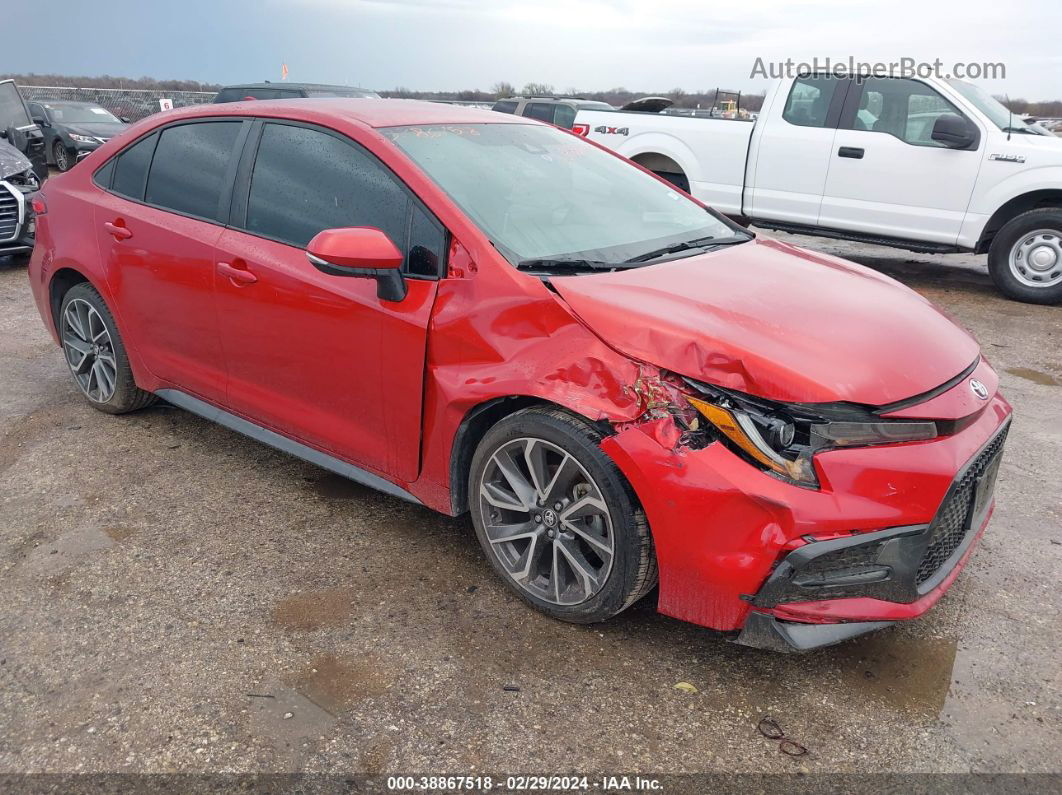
(929, 165)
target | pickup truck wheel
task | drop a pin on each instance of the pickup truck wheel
(1025, 259)
(95, 353)
(557, 519)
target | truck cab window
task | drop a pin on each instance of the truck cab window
(809, 100)
(906, 109)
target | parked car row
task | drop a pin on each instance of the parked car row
(483, 314)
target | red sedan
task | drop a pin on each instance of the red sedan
(483, 313)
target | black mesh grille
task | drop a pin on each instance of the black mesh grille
(949, 526)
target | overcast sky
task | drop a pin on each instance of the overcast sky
(589, 44)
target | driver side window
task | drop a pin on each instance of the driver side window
(900, 107)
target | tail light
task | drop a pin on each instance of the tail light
(38, 204)
(582, 130)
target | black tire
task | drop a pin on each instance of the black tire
(999, 256)
(126, 396)
(64, 161)
(633, 571)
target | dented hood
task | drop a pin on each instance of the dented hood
(777, 321)
(12, 161)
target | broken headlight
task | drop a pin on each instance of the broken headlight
(783, 438)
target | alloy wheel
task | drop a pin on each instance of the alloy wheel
(62, 157)
(546, 521)
(1036, 259)
(89, 350)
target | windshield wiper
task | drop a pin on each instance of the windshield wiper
(547, 264)
(687, 245)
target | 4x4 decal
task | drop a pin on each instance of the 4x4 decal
(612, 130)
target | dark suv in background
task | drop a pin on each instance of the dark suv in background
(290, 91)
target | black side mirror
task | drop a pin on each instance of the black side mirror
(955, 132)
(41, 121)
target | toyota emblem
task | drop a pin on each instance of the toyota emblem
(979, 389)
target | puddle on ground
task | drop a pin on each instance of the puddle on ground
(335, 683)
(1036, 376)
(337, 487)
(330, 607)
(52, 557)
(119, 533)
(287, 719)
(912, 675)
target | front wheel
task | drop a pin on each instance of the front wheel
(1025, 259)
(557, 519)
(63, 159)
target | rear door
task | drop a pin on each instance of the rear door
(157, 225)
(793, 151)
(317, 357)
(887, 175)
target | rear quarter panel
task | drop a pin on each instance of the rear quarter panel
(711, 152)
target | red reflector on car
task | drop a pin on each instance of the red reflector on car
(38, 205)
(581, 129)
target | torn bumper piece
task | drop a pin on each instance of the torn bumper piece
(892, 574)
(764, 631)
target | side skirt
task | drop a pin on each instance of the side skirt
(283, 443)
(921, 246)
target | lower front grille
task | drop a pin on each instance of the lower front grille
(8, 214)
(953, 520)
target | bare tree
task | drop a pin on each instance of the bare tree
(537, 89)
(502, 89)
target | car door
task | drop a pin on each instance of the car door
(157, 225)
(887, 175)
(793, 151)
(318, 357)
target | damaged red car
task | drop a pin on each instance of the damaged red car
(485, 314)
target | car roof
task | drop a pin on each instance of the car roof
(50, 102)
(314, 86)
(370, 112)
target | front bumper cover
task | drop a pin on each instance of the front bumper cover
(902, 565)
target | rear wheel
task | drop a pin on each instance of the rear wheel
(63, 159)
(1025, 259)
(95, 353)
(556, 518)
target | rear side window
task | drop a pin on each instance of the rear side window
(543, 111)
(564, 116)
(306, 180)
(131, 168)
(104, 176)
(809, 100)
(505, 106)
(188, 171)
(230, 95)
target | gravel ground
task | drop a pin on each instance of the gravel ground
(174, 597)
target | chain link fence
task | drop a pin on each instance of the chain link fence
(133, 104)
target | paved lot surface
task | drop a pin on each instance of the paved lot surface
(175, 597)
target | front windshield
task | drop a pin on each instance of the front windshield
(80, 114)
(991, 107)
(542, 194)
